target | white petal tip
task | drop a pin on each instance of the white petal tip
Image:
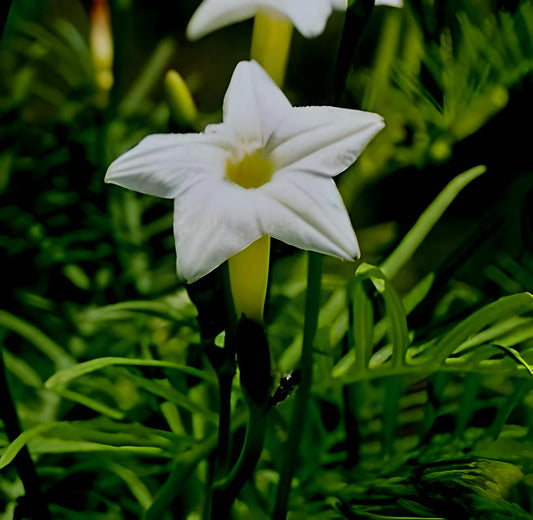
(194, 31)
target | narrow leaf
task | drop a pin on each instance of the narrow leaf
(41, 341)
(410, 243)
(63, 377)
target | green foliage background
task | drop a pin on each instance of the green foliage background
(422, 396)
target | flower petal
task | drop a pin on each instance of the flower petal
(322, 140)
(309, 17)
(214, 221)
(253, 105)
(339, 4)
(306, 211)
(162, 164)
(214, 14)
(392, 3)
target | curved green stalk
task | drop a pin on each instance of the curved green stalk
(225, 491)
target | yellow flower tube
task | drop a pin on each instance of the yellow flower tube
(271, 42)
(248, 272)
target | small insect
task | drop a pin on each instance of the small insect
(286, 386)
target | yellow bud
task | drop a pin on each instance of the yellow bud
(440, 150)
(179, 98)
(101, 43)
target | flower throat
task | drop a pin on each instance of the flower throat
(252, 171)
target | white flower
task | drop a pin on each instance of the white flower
(308, 16)
(266, 170)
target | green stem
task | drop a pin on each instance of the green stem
(223, 361)
(34, 505)
(312, 306)
(224, 422)
(351, 426)
(226, 372)
(225, 491)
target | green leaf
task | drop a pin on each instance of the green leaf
(14, 447)
(395, 312)
(410, 243)
(166, 391)
(362, 329)
(154, 308)
(91, 436)
(37, 338)
(500, 310)
(150, 75)
(135, 484)
(63, 377)
(91, 403)
(48, 445)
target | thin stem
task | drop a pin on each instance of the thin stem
(312, 306)
(223, 361)
(357, 15)
(34, 505)
(226, 372)
(224, 422)
(351, 427)
(225, 491)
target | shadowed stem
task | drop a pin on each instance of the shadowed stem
(351, 426)
(253, 358)
(312, 306)
(225, 491)
(225, 383)
(357, 16)
(225, 373)
(224, 364)
(34, 506)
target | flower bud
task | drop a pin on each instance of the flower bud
(180, 101)
(101, 43)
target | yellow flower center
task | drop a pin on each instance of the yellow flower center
(252, 171)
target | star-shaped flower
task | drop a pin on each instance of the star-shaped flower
(308, 16)
(266, 170)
